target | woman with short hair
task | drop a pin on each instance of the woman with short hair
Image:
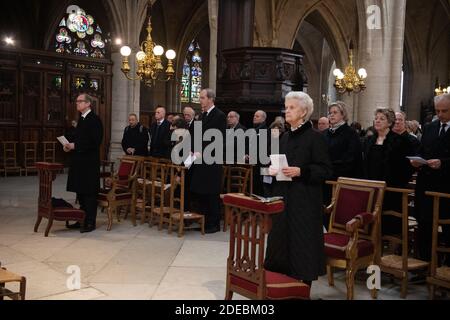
(296, 242)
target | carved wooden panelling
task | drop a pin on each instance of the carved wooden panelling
(32, 96)
(8, 95)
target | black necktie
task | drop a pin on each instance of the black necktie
(205, 114)
(158, 125)
(442, 133)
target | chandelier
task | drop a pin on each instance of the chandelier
(439, 90)
(148, 60)
(350, 81)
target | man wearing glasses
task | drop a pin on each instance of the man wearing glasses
(84, 171)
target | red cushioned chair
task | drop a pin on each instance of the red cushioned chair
(250, 223)
(121, 192)
(47, 174)
(353, 240)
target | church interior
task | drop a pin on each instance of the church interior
(134, 56)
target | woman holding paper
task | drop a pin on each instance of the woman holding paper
(296, 245)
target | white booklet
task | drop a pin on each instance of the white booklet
(63, 140)
(279, 162)
(418, 159)
(189, 161)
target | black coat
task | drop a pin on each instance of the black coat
(345, 152)
(235, 159)
(84, 171)
(258, 185)
(296, 245)
(395, 168)
(160, 144)
(207, 179)
(136, 138)
(433, 147)
(413, 141)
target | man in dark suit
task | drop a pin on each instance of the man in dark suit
(259, 124)
(189, 117)
(135, 138)
(434, 176)
(160, 135)
(207, 178)
(84, 171)
(233, 122)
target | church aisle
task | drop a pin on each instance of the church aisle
(136, 263)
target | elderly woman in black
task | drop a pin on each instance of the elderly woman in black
(295, 244)
(385, 160)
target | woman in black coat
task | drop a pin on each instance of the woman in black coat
(295, 244)
(385, 160)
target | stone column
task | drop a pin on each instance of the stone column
(213, 8)
(125, 100)
(381, 53)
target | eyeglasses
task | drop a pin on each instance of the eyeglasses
(80, 101)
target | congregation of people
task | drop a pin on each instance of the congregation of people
(334, 149)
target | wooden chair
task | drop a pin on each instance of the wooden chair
(250, 224)
(396, 265)
(106, 172)
(238, 180)
(46, 209)
(29, 156)
(439, 274)
(9, 277)
(49, 151)
(121, 192)
(10, 157)
(139, 173)
(178, 215)
(353, 239)
(159, 207)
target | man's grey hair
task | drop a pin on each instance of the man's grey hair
(210, 93)
(133, 115)
(442, 97)
(304, 101)
(264, 114)
(190, 111)
(89, 99)
(237, 115)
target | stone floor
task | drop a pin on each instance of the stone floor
(137, 263)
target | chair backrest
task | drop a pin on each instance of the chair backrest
(10, 153)
(159, 178)
(238, 180)
(177, 185)
(47, 173)
(127, 169)
(440, 203)
(402, 238)
(352, 197)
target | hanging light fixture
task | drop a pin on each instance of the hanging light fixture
(350, 80)
(148, 60)
(440, 90)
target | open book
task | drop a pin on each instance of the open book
(63, 140)
(267, 200)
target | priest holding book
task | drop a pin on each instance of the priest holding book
(296, 243)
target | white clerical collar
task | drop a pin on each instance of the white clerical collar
(209, 111)
(84, 115)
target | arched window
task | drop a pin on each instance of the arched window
(191, 83)
(79, 34)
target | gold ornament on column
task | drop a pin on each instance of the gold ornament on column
(350, 80)
(148, 60)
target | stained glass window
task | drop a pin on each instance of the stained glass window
(191, 82)
(78, 33)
